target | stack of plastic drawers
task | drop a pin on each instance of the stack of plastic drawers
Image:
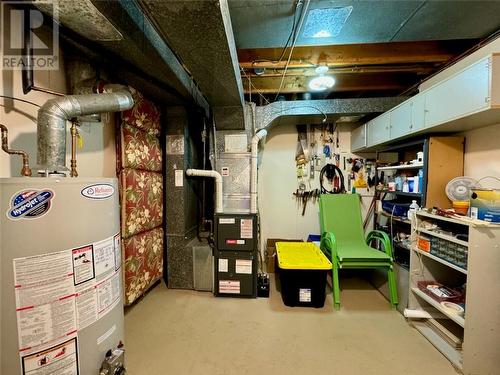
(449, 251)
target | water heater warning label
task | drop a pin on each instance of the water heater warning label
(58, 294)
(60, 359)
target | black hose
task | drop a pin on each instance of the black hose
(331, 170)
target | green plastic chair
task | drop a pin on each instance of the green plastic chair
(343, 241)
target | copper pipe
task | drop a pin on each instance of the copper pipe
(74, 134)
(25, 171)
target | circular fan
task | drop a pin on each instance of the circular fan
(459, 189)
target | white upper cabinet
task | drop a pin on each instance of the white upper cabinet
(466, 100)
(378, 129)
(358, 138)
(408, 117)
(460, 95)
(401, 119)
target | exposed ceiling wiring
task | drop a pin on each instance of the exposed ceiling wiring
(303, 14)
(251, 85)
(291, 36)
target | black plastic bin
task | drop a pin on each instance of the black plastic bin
(302, 270)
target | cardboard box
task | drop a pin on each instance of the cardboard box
(271, 252)
(485, 205)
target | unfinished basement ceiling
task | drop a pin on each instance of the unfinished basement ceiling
(375, 48)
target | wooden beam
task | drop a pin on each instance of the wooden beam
(344, 83)
(309, 72)
(355, 54)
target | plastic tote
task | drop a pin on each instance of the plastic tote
(302, 268)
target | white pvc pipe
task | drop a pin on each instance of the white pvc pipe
(253, 169)
(218, 184)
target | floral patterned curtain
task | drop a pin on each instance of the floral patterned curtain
(139, 165)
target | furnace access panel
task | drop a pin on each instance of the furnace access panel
(236, 232)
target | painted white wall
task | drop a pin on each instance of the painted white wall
(482, 154)
(280, 213)
(95, 159)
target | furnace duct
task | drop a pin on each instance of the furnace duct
(218, 184)
(52, 117)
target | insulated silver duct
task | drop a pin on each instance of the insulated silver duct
(52, 117)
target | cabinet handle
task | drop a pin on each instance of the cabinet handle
(487, 99)
(411, 126)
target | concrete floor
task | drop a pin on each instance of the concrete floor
(186, 332)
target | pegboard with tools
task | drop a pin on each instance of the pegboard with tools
(318, 146)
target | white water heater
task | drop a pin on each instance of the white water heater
(60, 272)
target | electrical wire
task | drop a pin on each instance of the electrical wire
(292, 34)
(303, 13)
(251, 84)
(20, 100)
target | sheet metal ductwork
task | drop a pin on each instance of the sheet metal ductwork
(52, 117)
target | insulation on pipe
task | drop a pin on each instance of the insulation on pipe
(218, 184)
(253, 169)
(52, 117)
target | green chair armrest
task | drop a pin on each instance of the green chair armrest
(383, 238)
(329, 245)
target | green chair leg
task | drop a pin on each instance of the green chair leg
(336, 287)
(393, 291)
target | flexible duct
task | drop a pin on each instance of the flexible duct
(52, 117)
(218, 184)
(253, 169)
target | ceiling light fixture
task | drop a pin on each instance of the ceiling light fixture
(321, 83)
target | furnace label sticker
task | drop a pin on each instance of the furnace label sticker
(244, 266)
(246, 228)
(61, 359)
(30, 204)
(83, 264)
(98, 191)
(223, 265)
(229, 286)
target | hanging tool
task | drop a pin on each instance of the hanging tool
(331, 171)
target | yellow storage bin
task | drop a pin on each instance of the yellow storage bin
(301, 256)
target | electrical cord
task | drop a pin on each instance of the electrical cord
(301, 20)
(20, 100)
(331, 170)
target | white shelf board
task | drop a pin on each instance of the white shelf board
(404, 166)
(456, 318)
(444, 218)
(443, 236)
(454, 355)
(440, 260)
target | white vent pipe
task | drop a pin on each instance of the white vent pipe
(218, 184)
(253, 169)
(52, 117)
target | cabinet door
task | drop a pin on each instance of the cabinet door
(464, 93)
(378, 129)
(418, 112)
(358, 138)
(401, 120)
